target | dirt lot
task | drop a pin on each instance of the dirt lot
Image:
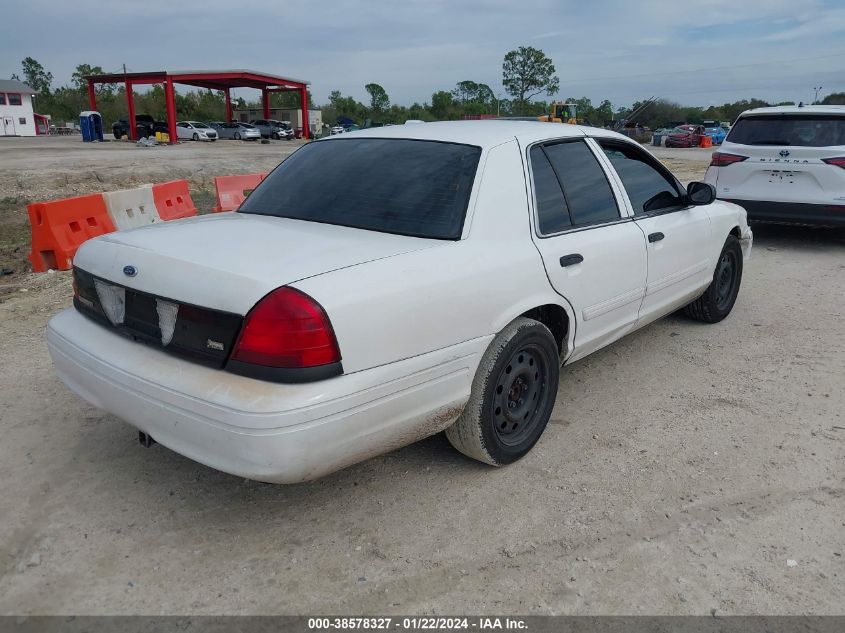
(35, 169)
(687, 468)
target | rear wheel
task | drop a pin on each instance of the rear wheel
(718, 300)
(512, 397)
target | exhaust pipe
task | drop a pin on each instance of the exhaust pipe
(145, 440)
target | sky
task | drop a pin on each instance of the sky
(695, 52)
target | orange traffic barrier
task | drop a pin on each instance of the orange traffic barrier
(232, 190)
(59, 227)
(705, 141)
(173, 201)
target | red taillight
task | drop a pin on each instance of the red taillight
(287, 328)
(836, 162)
(723, 159)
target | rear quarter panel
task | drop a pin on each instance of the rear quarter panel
(399, 307)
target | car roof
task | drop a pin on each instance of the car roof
(485, 134)
(807, 109)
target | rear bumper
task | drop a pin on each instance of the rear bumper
(255, 429)
(822, 215)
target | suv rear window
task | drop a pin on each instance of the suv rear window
(802, 130)
(408, 187)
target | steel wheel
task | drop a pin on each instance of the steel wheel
(520, 395)
(512, 396)
(725, 278)
(718, 300)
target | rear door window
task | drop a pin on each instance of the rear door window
(552, 212)
(800, 130)
(570, 187)
(403, 186)
(588, 194)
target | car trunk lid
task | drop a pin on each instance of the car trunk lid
(229, 261)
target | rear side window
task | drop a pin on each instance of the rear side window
(800, 130)
(649, 190)
(552, 212)
(408, 187)
(570, 187)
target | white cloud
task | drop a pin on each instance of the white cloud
(615, 49)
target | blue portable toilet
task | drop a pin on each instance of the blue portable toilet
(91, 126)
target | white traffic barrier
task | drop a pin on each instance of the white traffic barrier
(131, 208)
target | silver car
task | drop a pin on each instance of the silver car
(236, 130)
(270, 128)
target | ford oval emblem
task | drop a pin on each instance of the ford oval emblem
(130, 271)
(784, 152)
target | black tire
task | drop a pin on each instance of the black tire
(195, 137)
(274, 136)
(513, 394)
(117, 135)
(237, 136)
(718, 300)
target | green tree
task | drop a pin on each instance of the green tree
(604, 113)
(835, 98)
(442, 104)
(36, 76)
(527, 72)
(81, 84)
(379, 101)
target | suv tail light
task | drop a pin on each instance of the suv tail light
(287, 329)
(723, 159)
(836, 162)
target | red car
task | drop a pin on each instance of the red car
(685, 136)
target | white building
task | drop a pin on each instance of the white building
(17, 117)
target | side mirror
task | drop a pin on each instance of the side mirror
(700, 193)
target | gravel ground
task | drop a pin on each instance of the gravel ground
(687, 468)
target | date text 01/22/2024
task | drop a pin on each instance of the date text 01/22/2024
(416, 624)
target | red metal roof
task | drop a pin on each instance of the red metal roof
(212, 79)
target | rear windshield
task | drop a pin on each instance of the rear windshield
(789, 129)
(408, 187)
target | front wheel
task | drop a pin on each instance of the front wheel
(195, 137)
(718, 300)
(512, 396)
(237, 136)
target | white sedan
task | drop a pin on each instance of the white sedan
(195, 131)
(440, 284)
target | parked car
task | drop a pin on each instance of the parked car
(785, 164)
(337, 129)
(236, 130)
(145, 126)
(270, 128)
(195, 131)
(685, 136)
(716, 134)
(328, 321)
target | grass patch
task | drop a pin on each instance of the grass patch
(204, 199)
(12, 202)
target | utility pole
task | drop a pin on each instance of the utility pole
(817, 89)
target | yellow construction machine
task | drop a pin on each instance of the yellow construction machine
(561, 112)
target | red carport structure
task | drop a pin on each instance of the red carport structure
(223, 80)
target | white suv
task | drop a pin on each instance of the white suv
(785, 165)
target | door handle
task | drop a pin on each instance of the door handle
(655, 237)
(571, 260)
